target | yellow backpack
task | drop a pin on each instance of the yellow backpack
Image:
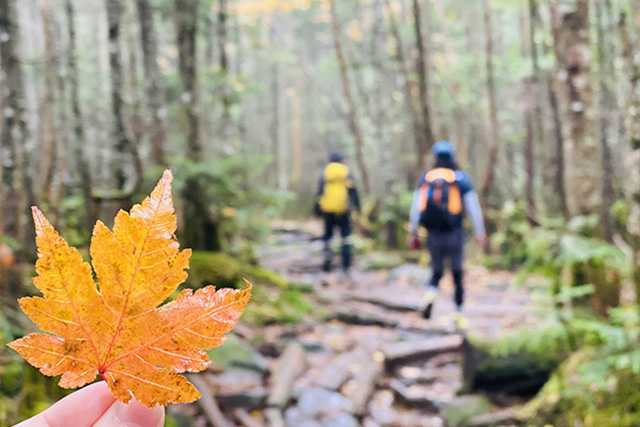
(335, 197)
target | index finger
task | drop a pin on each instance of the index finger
(80, 409)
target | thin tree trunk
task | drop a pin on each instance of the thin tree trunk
(48, 164)
(559, 182)
(538, 136)
(202, 232)
(633, 134)
(80, 143)
(573, 52)
(154, 86)
(423, 77)
(12, 114)
(124, 147)
(608, 195)
(223, 35)
(529, 154)
(418, 134)
(494, 143)
(353, 112)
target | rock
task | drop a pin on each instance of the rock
(342, 420)
(237, 354)
(416, 395)
(317, 402)
(460, 410)
(249, 399)
(291, 365)
(409, 275)
(294, 418)
(405, 351)
(365, 316)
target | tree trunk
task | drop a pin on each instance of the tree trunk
(154, 86)
(494, 143)
(423, 76)
(84, 176)
(124, 147)
(529, 155)
(18, 194)
(202, 232)
(48, 164)
(12, 116)
(573, 54)
(223, 36)
(353, 112)
(418, 134)
(559, 183)
(538, 135)
(632, 111)
(608, 195)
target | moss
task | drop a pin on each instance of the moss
(210, 268)
(270, 306)
(11, 378)
(263, 277)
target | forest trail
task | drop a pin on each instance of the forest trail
(366, 351)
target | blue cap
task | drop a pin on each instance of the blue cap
(336, 158)
(444, 149)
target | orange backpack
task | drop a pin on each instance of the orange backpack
(440, 200)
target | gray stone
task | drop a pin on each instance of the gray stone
(409, 275)
(342, 420)
(316, 402)
(294, 418)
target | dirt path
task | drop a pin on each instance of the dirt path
(371, 359)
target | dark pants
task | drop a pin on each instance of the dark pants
(443, 245)
(332, 221)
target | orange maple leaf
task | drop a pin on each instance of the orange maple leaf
(118, 331)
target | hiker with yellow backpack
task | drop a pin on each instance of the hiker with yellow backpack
(442, 195)
(337, 197)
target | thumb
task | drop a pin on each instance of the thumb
(132, 414)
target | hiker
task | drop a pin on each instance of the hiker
(438, 203)
(337, 197)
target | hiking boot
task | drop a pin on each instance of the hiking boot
(428, 300)
(461, 322)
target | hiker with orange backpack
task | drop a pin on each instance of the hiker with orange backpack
(337, 197)
(442, 195)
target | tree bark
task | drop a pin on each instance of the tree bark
(529, 155)
(559, 182)
(353, 112)
(80, 143)
(18, 193)
(203, 230)
(223, 36)
(124, 147)
(154, 87)
(573, 54)
(12, 116)
(418, 134)
(494, 144)
(538, 134)
(608, 195)
(423, 76)
(632, 118)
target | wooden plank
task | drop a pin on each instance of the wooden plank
(407, 351)
(291, 365)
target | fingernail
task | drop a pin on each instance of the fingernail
(135, 414)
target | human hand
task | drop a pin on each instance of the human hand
(413, 241)
(95, 406)
(482, 241)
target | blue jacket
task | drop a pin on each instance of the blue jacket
(469, 199)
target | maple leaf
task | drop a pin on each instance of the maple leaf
(118, 331)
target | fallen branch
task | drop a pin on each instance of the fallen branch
(290, 366)
(208, 403)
